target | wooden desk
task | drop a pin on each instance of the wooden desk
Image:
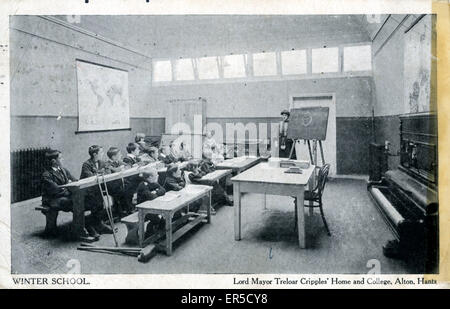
(167, 208)
(214, 176)
(78, 190)
(271, 180)
(239, 164)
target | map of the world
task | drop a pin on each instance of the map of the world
(102, 97)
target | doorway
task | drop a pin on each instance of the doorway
(329, 144)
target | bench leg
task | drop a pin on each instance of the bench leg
(78, 214)
(132, 237)
(50, 221)
(208, 207)
(141, 231)
(168, 218)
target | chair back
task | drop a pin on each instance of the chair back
(322, 178)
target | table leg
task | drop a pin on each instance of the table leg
(311, 184)
(141, 231)
(168, 218)
(208, 207)
(265, 201)
(237, 211)
(301, 219)
(78, 213)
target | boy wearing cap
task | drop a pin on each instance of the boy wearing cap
(53, 196)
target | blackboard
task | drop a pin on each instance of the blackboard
(308, 123)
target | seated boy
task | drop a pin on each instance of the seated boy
(93, 199)
(53, 196)
(194, 173)
(154, 154)
(165, 155)
(149, 189)
(174, 182)
(132, 158)
(183, 153)
(117, 188)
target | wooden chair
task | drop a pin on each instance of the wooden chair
(315, 196)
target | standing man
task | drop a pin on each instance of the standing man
(285, 143)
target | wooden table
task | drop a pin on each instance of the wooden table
(167, 208)
(271, 180)
(238, 164)
(79, 188)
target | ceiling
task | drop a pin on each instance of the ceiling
(173, 35)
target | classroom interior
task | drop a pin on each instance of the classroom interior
(246, 69)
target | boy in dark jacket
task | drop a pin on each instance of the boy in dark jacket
(148, 190)
(93, 167)
(117, 188)
(53, 196)
(174, 182)
(165, 155)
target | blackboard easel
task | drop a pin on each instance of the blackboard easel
(309, 124)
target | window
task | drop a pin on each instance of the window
(207, 68)
(325, 60)
(293, 62)
(184, 69)
(264, 64)
(162, 71)
(358, 58)
(234, 66)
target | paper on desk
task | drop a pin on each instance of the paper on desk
(169, 196)
(192, 189)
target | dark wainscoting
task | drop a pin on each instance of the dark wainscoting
(353, 135)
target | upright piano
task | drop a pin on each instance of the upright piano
(407, 196)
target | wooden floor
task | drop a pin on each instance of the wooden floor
(269, 243)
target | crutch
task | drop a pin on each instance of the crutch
(107, 205)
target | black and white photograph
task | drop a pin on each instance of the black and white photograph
(223, 144)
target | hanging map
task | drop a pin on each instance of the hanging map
(102, 97)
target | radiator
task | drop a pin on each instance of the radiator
(27, 166)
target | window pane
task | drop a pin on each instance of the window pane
(325, 60)
(184, 69)
(264, 64)
(293, 62)
(358, 58)
(207, 68)
(162, 71)
(234, 66)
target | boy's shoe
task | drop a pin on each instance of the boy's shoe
(102, 228)
(92, 232)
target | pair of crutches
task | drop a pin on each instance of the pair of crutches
(107, 204)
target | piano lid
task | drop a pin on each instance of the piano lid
(419, 192)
